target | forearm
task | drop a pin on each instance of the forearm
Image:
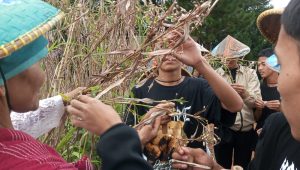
(221, 88)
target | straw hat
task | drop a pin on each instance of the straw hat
(23, 21)
(268, 23)
(230, 48)
(22, 25)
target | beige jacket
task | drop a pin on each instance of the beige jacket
(248, 78)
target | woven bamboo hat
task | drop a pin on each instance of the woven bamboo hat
(230, 48)
(22, 25)
(268, 23)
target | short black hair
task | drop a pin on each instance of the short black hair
(290, 19)
(266, 52)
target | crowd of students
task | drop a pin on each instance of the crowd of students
(242, 108)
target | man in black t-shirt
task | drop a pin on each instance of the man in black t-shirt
(270, 102)
(198, 95)
(211, 94)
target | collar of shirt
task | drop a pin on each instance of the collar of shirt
(241, 69)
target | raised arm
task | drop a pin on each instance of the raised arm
(191, 55)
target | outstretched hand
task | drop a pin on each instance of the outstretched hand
(259, 104)
(240, 89)
(148, 132)
(274, 105)
(166, 106)
(92, 114)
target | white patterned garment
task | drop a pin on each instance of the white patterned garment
(41, 121)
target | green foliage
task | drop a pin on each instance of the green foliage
(94, 90)
(76, 143)
(236, 18)
(66, 139)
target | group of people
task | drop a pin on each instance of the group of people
(242, 108)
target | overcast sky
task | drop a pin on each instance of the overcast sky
(279, 3)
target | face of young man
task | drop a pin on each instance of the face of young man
(170, 64)
(288, 52)
(264, 70)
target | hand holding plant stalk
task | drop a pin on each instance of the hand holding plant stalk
(148, 132)
(93, 115)
(259, 104)
(97, 117)
(193, 159)
(166, 106)
(273, 104)
(241, 90)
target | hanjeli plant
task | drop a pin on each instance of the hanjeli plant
(106, 46)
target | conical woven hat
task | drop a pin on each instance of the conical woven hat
(22, 25)
(268, 23)
(23, 21)
(230, 48)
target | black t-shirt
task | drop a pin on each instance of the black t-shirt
(276, 148)
(267, 93)
(196, 92)
(233, 74)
